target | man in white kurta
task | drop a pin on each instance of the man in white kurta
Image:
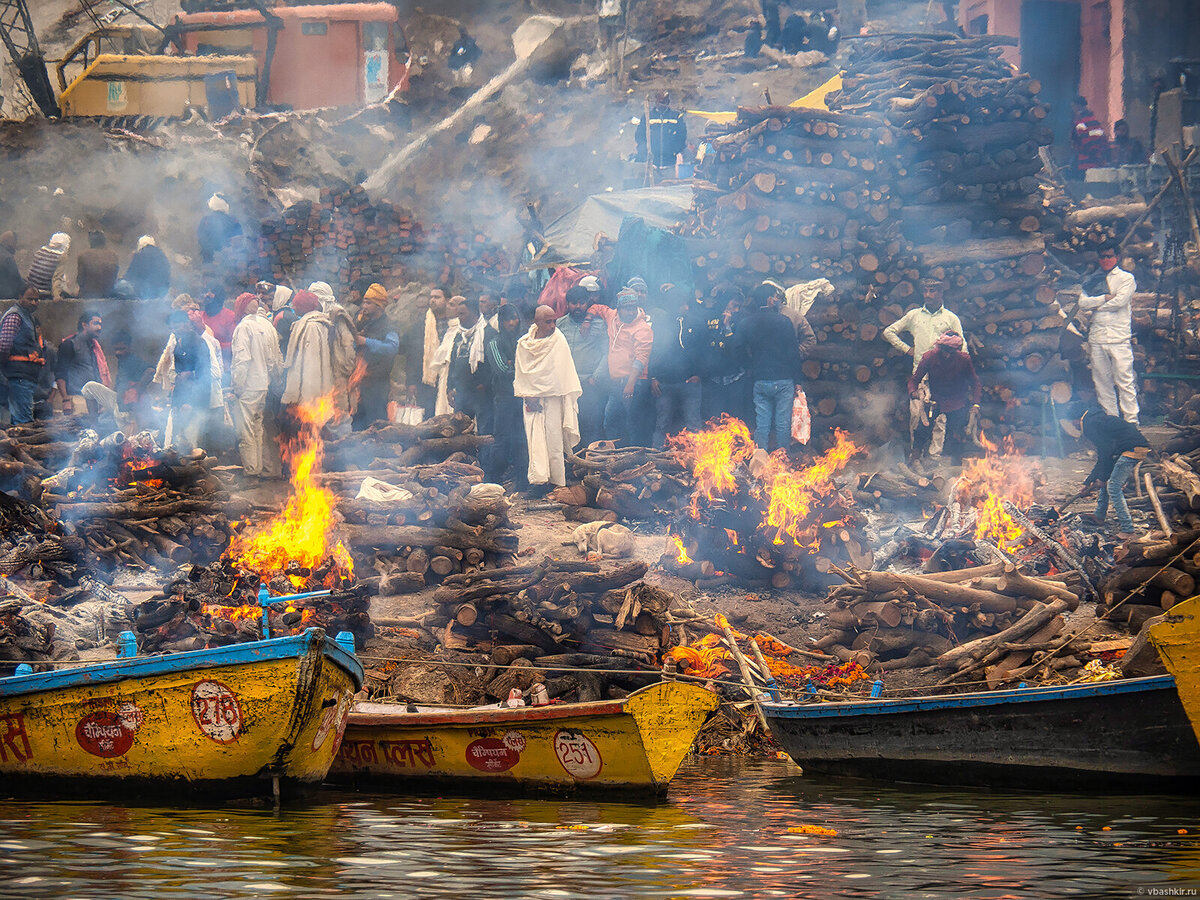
(1110, 339)
(546, 379)
(256, 362)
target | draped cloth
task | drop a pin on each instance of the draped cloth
(309, 362)
(545, 372)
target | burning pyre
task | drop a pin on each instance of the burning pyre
(762, 517)
(292, 553)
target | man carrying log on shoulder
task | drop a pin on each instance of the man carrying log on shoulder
(1109, 294)
(924, 325)
(1119, 448)
(547, 381)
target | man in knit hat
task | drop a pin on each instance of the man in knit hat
(630, 338)
(308, 360)
(12, 285)
(256, 363)
(378, 343)
(216, 228)
(22, 353)
(45, 271)
(953, 387)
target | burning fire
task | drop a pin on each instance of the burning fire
(714, 455)
(681, 557)
(792, 492)
(1003, 474)
(300, 535)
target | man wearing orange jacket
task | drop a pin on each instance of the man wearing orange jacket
(629, 340)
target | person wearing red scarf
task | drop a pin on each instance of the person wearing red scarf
(81, 362)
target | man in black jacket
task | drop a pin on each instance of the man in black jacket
(767, 340)
(664, 136)
(1119, 447)
(675, 367)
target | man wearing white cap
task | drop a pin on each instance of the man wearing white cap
(216, 229)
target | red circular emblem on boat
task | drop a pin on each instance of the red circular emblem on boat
(491, 755)
(104, 734)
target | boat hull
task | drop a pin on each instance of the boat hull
(635, 744)
(1132, 733)
(1177, 640)
(227, 719)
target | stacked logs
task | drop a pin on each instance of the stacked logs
(343, 236)
(217, 605)
(390, 445)
(627, 483)
(926, 167)
(1154, 573)
(961, 620)
(549, 616)
(415, 543)
(135, 505)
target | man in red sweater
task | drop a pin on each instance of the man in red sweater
(954, 388)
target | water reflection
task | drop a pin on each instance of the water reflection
(730, 829)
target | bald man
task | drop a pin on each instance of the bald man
(547, 381)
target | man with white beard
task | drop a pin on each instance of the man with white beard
(547, 380)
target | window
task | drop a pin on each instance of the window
(318, 28)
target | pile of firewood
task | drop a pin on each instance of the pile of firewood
(626, 483)
(218, 604)
(1154, 573)
(391, 445)
(926, 167)
(344, 236)
(134, 504)
(414, 543)
(549, 616)
(960, 621)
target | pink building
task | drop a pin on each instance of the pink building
(1110, 51)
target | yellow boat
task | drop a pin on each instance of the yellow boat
(1177, 639)
(634, 744)
(247, 718)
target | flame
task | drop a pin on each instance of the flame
(1002, 474)
(300, 533)
(714, 455)
(681, 557)
(793, 492)
(233, 613)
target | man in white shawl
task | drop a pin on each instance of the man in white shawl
(343, 344)
(547, 381)
(164, 372)
(458, 359)
(256, 363)
(308, 360)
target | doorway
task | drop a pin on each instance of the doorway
(1050, 52)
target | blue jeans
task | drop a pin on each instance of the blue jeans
(773, 406)
(620, 413)
(676, 406)
(20, 400)
(1114, 489)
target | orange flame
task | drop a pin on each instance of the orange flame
(986, 483)
(793, 492)
(681, 557)
(300, 534)
(714, 455)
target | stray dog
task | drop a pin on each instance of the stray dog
(605, 538)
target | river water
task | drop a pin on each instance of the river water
(728, 829)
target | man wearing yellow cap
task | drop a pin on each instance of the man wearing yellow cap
(379, 344)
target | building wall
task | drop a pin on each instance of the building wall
(1155, 31)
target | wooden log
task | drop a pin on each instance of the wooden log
(1039, 615)
(942, 592)
(392, 536)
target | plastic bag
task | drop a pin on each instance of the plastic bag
(409, 415)
(801, 420)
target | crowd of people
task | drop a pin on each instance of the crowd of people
(1092, 147)
(620, 362)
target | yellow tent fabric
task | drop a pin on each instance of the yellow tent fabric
(814, 99)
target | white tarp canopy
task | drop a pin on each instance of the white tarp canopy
(571, 238)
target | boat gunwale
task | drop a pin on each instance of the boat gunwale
(486, 715)
(117, 670)
(790, 710)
